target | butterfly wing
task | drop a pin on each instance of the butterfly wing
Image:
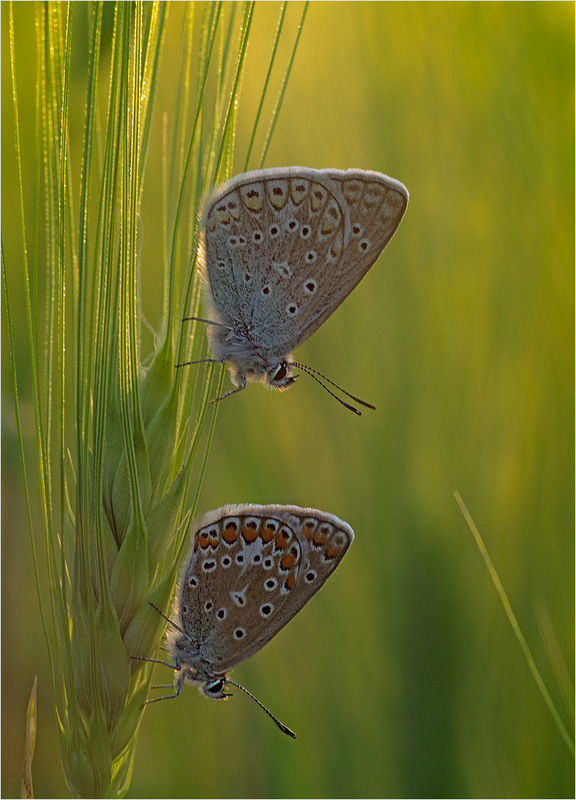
(251, 570)
(375, 205)
(284, 247)
(261, 228)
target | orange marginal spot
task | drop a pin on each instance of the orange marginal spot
(320, 538)
(331, 551)
(290, 581)
(213, 542)
(230, 533)
(249, 533)
(203, 540)
(308, 529)
(280, 541)
(288, 561)
(267, 533)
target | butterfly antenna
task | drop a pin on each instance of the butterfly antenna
(314, 374)
(168, 620)
(281, 725)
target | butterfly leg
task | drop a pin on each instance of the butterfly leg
(201, 361)
(156, 661)
(239, 378)
(178, 686)
(242, 383)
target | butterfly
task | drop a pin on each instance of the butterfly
(280, 250)
(250, 571)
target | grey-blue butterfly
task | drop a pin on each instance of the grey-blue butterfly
(280, 250)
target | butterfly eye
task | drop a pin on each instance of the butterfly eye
(281, 376)
(280, 373)
(215, 688)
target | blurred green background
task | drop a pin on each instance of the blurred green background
(402, 677)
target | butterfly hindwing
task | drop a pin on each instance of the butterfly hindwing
(252, 568)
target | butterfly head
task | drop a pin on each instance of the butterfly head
(280, 376)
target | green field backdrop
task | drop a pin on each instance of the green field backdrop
(402, 677)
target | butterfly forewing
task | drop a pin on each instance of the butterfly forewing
(251, 570)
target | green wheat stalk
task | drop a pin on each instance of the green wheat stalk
(514, 624)
(121, 436)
